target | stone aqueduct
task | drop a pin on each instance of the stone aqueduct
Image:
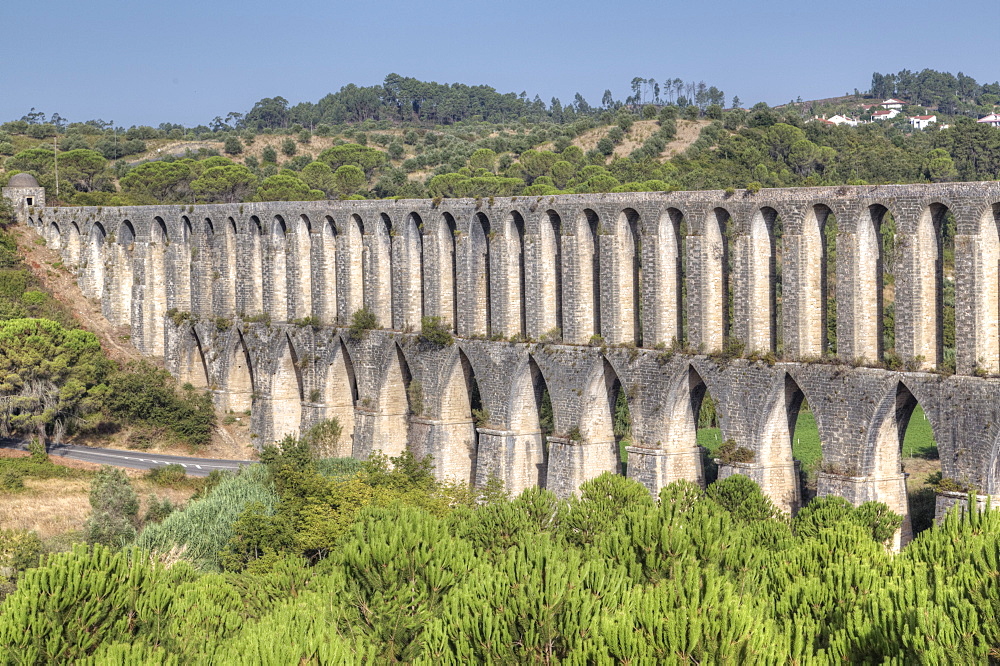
(251, 300)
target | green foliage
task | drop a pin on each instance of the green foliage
(115, 509)
(362, 321)
(168, 476)
(147, 395)
(435, 331)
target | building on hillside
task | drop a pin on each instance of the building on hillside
(896, 104)
(992, 120)
(885, 114)
(24, 192)
(843, 120)
(921, 122)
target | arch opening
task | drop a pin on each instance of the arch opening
(605, 424)
(550, 271)
(328, 286)
(73, 244)
(589, 293)
(629, 246)
(717, 286)
(300, 276)
(392, 431)
(517, 318)
(227, 268)
(481, 302)
(240, 385)
(279, 288)
(531, 422)
(155, 307)
(357, 258)
(460, 405)
(668, 281)
(448, 285)
(413, 289)
(340, 396)
(255, 261)
(286, 394)
(194, 368)
(988, 305)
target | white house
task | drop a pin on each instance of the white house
(892, 104)
(843, 120)
(993, 120)
(921, 122)
(885, 114)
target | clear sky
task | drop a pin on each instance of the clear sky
(187, 61)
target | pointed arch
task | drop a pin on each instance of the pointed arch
(300, 264)
(513, 276)
(339, 397)
(53, 236)
(240, 385)
(588, 310)
(885, 445)
(814, 304)
(181, 257)
(73, 244)
(124, 274)
(529, 459)
(447, 260)
(987, 306)
(868, 286)
(277, 302)
(460, 448)
(779, 479)
(328, 286)
(413, 260)
(691, 389)
(95, 261)
(286, 394)
(480, 305)
(928, 332)
(194, 368)
(155, 306)
(550, 274)
(392, 432)
(597, 422)
(379, 270)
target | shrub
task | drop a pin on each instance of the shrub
(362, 321)
(168, 475)
(434, 331)
(729, 452)
(115, 509)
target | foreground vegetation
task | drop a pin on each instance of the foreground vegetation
(329, 561)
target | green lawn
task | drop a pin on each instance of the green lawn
(918, 443)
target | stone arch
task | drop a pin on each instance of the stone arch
(778, 477)
(515, 315)
(588, 310)
(155, 307)
(379, 269)
(286, 393)
(413, 261)
(867, 287)
(814, 304)
(240, 388)
(194, 368)
(227, 268)
(458, 452)
(53, 236)
(73, 244)
(480, 303)
(124, 274)
(628, 287)
(666, 281)
(391, 433)
(927, 295)
(95, 261)
(299, 264)
(550, 274)
(277, 302)
(760, 306)
(355, 256)
(339, 397)
(682, 431)
(597, 422)
(884, 455)
(256, 278)
(716, 278)
(182, 255)
(448, 264)
(987, 305)
(328, 286)
(528, 459)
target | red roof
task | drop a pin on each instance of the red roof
(923, 117)
(883, 112)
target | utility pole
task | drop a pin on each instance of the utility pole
(55, 150)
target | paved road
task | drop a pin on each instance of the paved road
(134, 459)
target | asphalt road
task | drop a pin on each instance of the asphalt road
(134, 459)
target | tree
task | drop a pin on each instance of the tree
(229, 183)
(484, 158)
(233, 145)
(82, 168)
(318, 176)
(347, 180)
(285, 187)
(367, 159)
(115, 507)
(288, 147)
(159, 181)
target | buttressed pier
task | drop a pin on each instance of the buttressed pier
(662, 295)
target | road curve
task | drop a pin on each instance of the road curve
(135, 459)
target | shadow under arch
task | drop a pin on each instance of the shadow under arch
(459, 443)
(549, 268)
(340, 395)
(525, 464)
(448, 263)
(777, 473)
(391, 431)
(598, 449)
(194, 368)
(240, 388)
(286, 394)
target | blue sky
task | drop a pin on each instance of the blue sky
(187, 61)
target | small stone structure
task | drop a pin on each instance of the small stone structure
(573, 296)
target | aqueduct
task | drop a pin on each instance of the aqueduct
(665, 295)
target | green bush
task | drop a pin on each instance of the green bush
(362, 321)
(434, 331)
(115, 505)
